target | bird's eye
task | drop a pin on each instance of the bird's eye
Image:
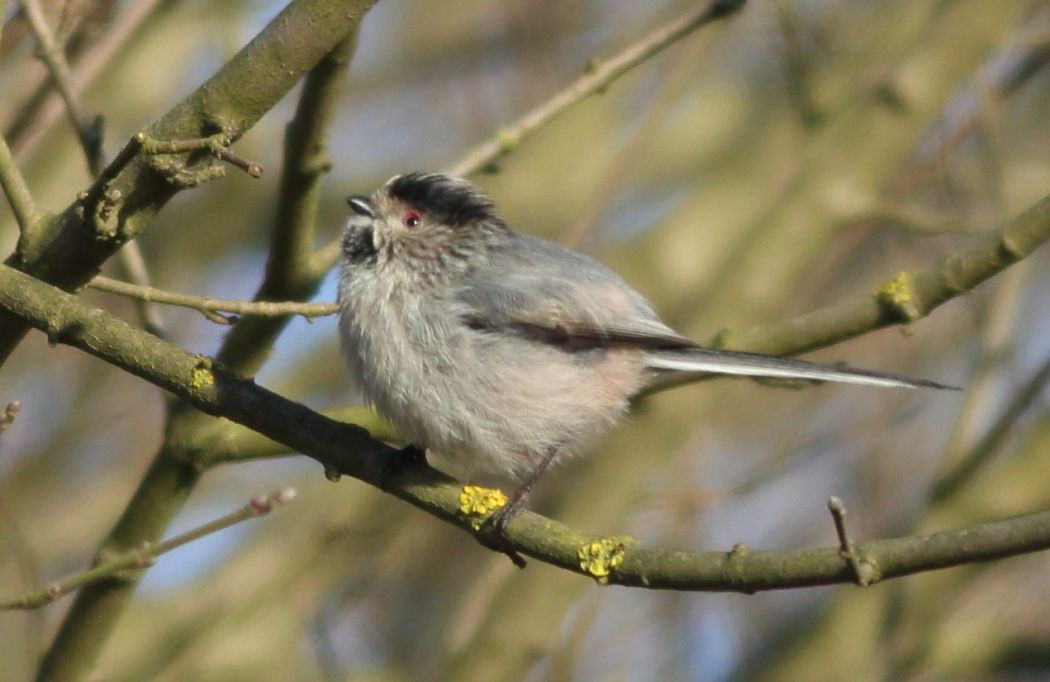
(411, 219)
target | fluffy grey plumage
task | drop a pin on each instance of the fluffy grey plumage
(495, 348)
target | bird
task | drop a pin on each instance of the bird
(503, 351)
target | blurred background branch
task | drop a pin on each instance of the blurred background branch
(599, 74)
(144, 556)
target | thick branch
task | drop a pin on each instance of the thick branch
(350, 450)
(224, 442)
(174, 471)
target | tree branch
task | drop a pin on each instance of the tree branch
(73, 246)
(90, 134)
(17, 192)
(88, 131)
(599, 74)
(43, 108)
(224, 442)
(907, 298)
(229, 103)
(146, 554)
(348, 449)
(597, 78)
(289, 269)
(133, 265)
(208, 305)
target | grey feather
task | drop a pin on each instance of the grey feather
(567, 299)
(497, 349)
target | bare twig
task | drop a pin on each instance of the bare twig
(906, 298)
(10, 412)
(984, 395)
(68, 255)
(1007, 71)
(43, 107)
(350, 450)
(89, 132)
(134, 266)
(609, 186)
(209, 306)
(88, 129)
(797, 65)
(17, 192)
(598, 76)
(94, 195)
(145, 554)
(218, 145)
(861, 573)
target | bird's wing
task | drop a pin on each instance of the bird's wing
(563, 298)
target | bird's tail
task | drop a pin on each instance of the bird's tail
(713, 361)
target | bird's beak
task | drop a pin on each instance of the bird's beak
(361, 206)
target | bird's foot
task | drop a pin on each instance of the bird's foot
(407, 457)
(494, 531)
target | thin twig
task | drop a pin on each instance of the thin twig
(905, 299)
(89, 132)
(43, 107)
(1007, 71)
(91, 197)
(208, 306)
(17, 192)
(610, 184)
(10, 412)
(134, 265)
(88, 129)
(145, 555)
(984, 395)
(598, 76)
(846, 548)
(218, 145)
